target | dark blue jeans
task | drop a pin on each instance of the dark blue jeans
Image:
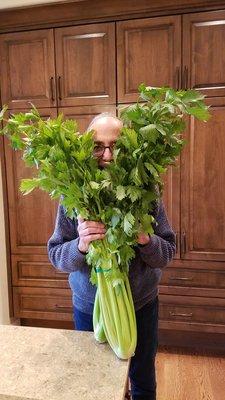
(142, 368)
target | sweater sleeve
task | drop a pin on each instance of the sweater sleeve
(62, 246)
(161, 248)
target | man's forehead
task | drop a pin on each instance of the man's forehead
(107, 129)
(108, 122)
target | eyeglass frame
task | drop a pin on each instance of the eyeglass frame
(111, 148)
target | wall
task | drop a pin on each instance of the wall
(4, 303)
(4, 4)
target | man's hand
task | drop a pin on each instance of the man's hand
(143, 238)
(89, 231)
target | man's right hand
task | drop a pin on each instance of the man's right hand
(89, 231)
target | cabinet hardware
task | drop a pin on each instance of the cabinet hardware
(177, 78)
(173, 314)
(180, 278)
(59, 306)
(185, 77)
(59, 88)
(184, 243)
(52, 88)
(176, 240)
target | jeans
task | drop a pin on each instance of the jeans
(142, 367)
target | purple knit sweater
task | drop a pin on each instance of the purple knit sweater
(144, 272)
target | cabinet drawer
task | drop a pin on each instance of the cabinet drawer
(31, 270)
(43, 303)
(193, 278)
(193, 309)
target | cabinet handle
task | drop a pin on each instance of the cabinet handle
(185, 77)
(181, 314)
(59, 88)
(63, 307)
(184, 243)
(52, 88)
(177, 78)
(176, 240)
(180, 278)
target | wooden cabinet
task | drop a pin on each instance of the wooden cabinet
(79, 69)
(43, 303)
(203, 52)
(28, 69)
(203, 188)
(32, 217)
(149, 51)
(85, 63)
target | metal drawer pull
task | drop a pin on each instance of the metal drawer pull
(178, 78)
(58, 306)
(181, 314)
(185, 78)
(184, 243)
(180, 278)
(59, 88)
(52, 88)
(176, 241)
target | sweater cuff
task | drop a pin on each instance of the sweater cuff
(79, 257)
(151, 247)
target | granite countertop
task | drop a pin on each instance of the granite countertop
(53, 364)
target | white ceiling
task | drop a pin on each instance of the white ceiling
(4, 4)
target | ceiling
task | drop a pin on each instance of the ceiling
(5, 4)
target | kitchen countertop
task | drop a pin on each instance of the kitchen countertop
(53, 364)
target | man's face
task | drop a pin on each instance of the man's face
(107, 130)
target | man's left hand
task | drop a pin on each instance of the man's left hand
(143, 238)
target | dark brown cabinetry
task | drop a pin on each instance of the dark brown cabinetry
(78, 70)
(149, 51)
(85, 63)
(28, 69)
(91, 68)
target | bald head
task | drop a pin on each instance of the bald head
(107, 129)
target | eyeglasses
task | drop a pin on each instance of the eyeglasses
(99, 149)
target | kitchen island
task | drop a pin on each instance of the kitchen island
(53, 364)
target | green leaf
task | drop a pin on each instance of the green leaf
(94, 185)
(2, 112)
(149, 132)
(120, 192)
(146, 222)
(134, 193)
(128, 223)
(200, 113)
(28, 185)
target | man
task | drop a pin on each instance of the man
(69, 244)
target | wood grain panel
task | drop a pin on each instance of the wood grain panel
(31, 217)
(42, 303)
(27, 65)
(139, 57)
(192, 312)
(202, 189)
(85, 63)
(33, 270)
(204, 52)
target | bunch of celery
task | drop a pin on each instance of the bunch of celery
(66, 169)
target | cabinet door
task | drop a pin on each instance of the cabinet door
(27, 69)
(204, 52)
(203, 187)
(149, 51)
(85, 63)
(84, 115)
(31, 217)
